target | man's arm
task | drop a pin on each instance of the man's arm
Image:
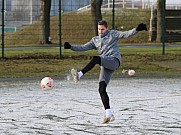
(126, 34)
(129, 33)
(88, 46)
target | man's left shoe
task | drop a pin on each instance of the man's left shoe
(108, 119)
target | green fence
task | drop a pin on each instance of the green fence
(71, 21)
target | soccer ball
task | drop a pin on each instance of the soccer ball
(46, 83)
(131, 72)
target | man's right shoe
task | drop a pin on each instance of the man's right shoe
(74, 75)
(108, 119)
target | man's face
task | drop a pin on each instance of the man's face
(101, 29)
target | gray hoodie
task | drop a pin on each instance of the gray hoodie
(106, 44)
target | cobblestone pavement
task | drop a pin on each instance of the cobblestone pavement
(141, 107)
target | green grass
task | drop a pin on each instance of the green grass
(36, 63)
(77, 27)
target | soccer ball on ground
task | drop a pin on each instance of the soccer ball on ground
(46, 83)
(131, 72)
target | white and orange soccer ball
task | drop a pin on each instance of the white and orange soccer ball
(46, 83)
(131, 72)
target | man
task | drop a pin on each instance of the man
(109, 58)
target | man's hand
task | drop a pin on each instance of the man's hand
(67, 45)
(141, 27)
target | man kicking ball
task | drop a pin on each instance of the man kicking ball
(109, 59)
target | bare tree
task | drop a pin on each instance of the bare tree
(159, 20)
(96, 13)
(45, 6)
(153, 25)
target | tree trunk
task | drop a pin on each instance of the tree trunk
(45, 6)
(96, 13)
(42, 25)
(159, 20)
(153, 25)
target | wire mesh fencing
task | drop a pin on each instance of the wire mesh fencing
(71, 20)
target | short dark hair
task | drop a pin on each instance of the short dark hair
(102, 22)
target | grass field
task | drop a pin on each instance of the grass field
(77, 29)
(46, 62)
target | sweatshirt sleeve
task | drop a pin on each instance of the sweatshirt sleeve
(126, 34)
(88, 46)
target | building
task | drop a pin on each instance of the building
(25, 12)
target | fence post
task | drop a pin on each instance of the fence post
(2, 38)
(60, 28)
(163, 26)
(113, 15)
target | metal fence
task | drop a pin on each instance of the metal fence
(70, 20)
